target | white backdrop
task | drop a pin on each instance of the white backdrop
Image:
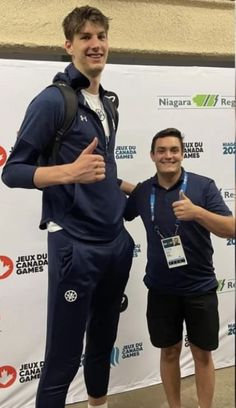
(199, 102)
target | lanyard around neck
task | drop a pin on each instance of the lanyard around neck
(153, 200)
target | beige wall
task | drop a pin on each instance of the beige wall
(161, 28)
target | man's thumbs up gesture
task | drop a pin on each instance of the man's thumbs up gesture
(88, 167)
(184, 209)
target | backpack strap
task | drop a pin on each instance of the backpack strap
(70, 109)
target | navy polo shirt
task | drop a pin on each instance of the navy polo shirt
(198, 275)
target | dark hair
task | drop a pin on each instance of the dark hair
(167, 132)
(76, 19)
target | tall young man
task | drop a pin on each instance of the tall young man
(89, 250)
(178, 207)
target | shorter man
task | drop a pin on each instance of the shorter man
(176, 205)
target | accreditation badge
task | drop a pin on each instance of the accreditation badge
(174, 251)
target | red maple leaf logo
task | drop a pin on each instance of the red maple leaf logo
(7, 376)
(3, 156)
(6, 266)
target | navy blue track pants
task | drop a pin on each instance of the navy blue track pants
(85, 287)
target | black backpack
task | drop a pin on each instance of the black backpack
(70, 110)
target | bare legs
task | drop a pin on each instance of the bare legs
(205, 376)
(170, 374)
(171, 377)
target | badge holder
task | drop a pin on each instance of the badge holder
(174, 251)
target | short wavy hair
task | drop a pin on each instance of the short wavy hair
(168, 132)
(77, 18)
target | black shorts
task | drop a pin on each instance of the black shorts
(166, 314)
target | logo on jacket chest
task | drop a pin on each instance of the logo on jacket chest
(83, 118)
(100, 114)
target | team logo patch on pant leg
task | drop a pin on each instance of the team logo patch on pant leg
(70, 295)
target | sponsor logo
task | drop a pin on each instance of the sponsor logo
(6, 266)
(198, 101)
(120, 353)
(32, 263)
(231, 329)
(70, 296)
(30, 371)
(230, 241)
(7, 376)
(174, 101)
(193, 150)
(229, 148)
(125, 152)
(127, 351)
(137, 250)
(115, 356)
(27, 372)
(3, 156)
(226, 285)
(228, 194)
(124, 303)
(132, 350)
(24, 264)
(205, 100)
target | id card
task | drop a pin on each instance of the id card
(174, 251)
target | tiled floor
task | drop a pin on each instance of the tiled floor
(153, 396)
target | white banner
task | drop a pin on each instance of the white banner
(199, 102)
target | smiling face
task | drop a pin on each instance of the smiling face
(167, 156)
(89, 49)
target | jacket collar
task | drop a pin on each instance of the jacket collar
(73, 77)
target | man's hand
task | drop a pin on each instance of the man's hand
(127, 187)
(88, 167)
(184, 209)
(221, 225)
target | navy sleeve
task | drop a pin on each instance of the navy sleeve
(43, 116)
(214, 201)
(20, 167)
(131, 210)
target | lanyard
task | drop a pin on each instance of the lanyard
(153, 198)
